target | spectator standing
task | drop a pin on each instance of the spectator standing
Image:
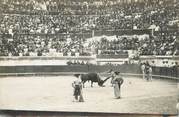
(147, 72)
(150, 73)
(143, 70)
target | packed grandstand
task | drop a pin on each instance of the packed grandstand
(88, 27)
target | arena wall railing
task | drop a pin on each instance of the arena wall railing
(132, 68)
(12, 66)
(126, 70)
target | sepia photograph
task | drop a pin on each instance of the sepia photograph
(89, 58)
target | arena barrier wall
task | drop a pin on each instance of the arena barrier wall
(70, 69)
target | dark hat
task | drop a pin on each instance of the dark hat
(117, 72)
(77, 75)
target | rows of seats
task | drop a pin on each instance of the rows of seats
(23, 24)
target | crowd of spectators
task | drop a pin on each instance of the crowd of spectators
(151, 45)
(26, 26)
(104, 16)
(160, 45)
(33, 45)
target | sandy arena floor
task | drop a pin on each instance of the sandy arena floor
(54, 93)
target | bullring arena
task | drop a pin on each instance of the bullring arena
(43, 43)
(55, 93)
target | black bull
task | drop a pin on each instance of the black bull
(93, 77)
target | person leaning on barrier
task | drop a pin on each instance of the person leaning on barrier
(150, 73)
(77, 85)
(143, 70)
